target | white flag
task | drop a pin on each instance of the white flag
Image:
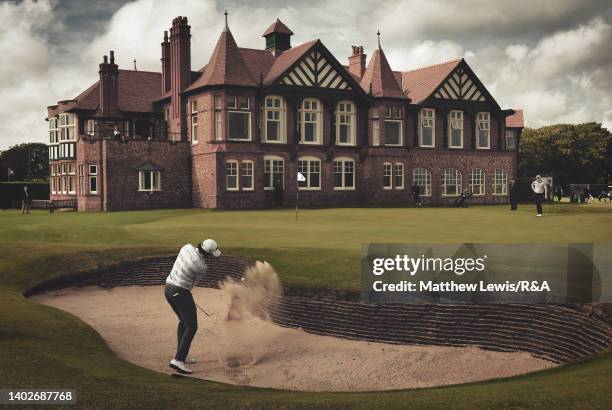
(301, 177)
(11, 172)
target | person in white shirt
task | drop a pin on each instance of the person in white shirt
(188, 269)
(540, 189)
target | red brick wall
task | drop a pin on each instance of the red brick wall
(90, 153)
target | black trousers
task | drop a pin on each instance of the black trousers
(183, 305)
(539, 199)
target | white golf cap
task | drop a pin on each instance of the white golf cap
(210, 246)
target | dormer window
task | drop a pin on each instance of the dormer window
(393, 125)
(238, 118)
(427, 131)
(311, 122)
(483, 127)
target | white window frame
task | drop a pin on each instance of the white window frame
(274, 105)
(345, 115)
(238, 108)
(245, 172)
(341, 164)
(309, 170)
(68, 125)
(455, 122)
(194, 121)
(458, 178)
(153, 188)
(218, 116)
(387, 173)
(477, 178)
(375, 126)
(427, 116)
(318, 123)
(270, 162)
(398, 174)
(500, 182)
(92, 170)
(483, 123)
(393, 113)
(422, 177)
(236, 167)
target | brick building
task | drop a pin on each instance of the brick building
(236, 133)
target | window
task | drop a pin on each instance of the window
(387, 175)
(510, 139)
(345, 123)
(231, 175)
(427, 131)
(93, 179)
(455, 129)
(398, 175)
(451, 182)
(500, 182)
(310, 167)
(53, 131)
(344, 173)
(81, 173)
(149, 181)
(67, 125)
(477, 182)
(274, 172)
(90, 127)
(239, 119)
(483, 125)
(393, 125)
(194, 121)
(375, 126)
(422, 178)
(218, 118)
(274, 115)
(246, 175)
(310, 121)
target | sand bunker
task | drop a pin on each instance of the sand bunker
(235, 347)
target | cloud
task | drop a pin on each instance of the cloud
(550, 58)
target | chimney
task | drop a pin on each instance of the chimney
(109, 87)
(357, 62)
(165, 60)
(180, 71)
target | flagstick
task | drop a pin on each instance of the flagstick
(297, 196)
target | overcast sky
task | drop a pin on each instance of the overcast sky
(551, 58)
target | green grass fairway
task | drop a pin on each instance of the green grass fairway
(44, 347)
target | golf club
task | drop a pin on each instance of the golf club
(205, 312)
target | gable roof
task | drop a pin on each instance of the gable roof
(226, 65)
(515, 120)
(137, 92)
(420, 83)
(286, 60)
(277, 27)
(380, 79)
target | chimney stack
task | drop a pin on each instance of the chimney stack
(165, 60)
(109, 87)
(180, 71)
(357, 62)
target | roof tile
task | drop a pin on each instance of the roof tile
(380, 78)
(515, 120)
(420, 83)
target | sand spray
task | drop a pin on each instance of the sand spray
(248, 300)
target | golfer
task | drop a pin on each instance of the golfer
(540, 188)
(189, 267)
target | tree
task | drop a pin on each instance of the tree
(28, 161)
(570, 153)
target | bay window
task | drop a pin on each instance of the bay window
(393, 125)
(310, 168)
(238, 118)
(345, 123)
(427, 132)
(375, 127)
(344, 173)
(311, 121)
(483, 126)
(455, 129)
(274, 172)
(218, 118)
(274, 119)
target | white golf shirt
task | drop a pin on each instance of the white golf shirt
(188, 268)
(538, 187)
